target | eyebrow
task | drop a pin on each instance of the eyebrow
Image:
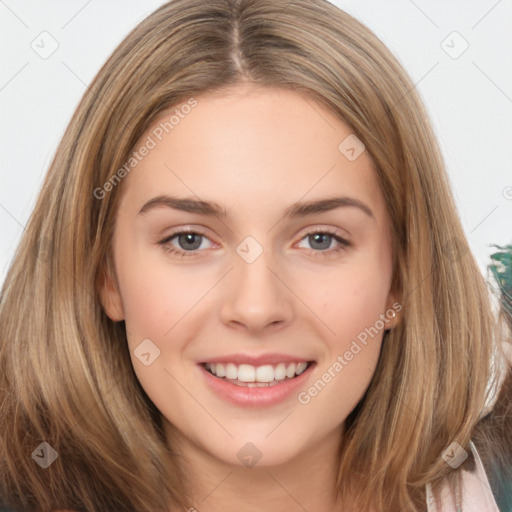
(211, 208)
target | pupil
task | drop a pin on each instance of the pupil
(184, 239)
(321, 236)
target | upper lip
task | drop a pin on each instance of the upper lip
(256, 360)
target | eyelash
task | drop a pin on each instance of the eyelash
(344, 244)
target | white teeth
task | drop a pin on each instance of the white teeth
(246, 373)
(265, 373)
(257, 374)
(280, 371)
(290, 370)
(231, 371)
(300, 368)
(220, 369)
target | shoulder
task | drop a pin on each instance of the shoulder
(493, 437)
(470, 490)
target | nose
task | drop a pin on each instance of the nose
(257, 298)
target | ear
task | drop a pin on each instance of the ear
(393, 310)
(109, 293)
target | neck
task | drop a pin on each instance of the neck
(305, 482)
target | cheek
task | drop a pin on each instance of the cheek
(155, 294)
(352, 298)
(350, 303)
(157, 302)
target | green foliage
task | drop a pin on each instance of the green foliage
(501, 268)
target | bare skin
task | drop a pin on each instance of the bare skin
(255, 152)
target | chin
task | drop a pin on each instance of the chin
(256, 452)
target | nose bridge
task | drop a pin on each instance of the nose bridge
(252, 269)
(254, 263)
(258, 297)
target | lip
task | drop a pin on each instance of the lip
(243, 396)
(256, 360)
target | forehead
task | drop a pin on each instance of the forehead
(252, 147)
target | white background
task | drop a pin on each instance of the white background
(469, 98)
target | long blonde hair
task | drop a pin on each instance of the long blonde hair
(65, 371)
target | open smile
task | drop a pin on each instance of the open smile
(249, 385)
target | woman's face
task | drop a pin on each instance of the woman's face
(272, 281)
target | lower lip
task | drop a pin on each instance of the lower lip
(254, 396)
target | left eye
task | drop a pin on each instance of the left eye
(324, 239)
(191, 242)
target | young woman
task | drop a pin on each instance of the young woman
(244, 286)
